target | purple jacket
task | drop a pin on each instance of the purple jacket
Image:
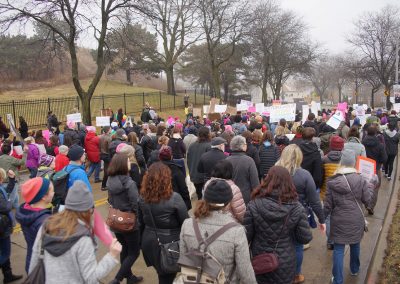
(32, 159)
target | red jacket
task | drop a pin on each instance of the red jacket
(61, 162)
(92, 147)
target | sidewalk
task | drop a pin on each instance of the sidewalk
(317, 263)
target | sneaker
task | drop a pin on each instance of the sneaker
(386, 175)
(306, 246)
(104, 188)
(329, 246)
(134, 279)
(299, 279)
(389, 178)
(97, 181)
(370, 211)
(353, 274)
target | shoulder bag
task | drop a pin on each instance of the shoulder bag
(359, 207)
(268, 261)
(169, 252)
(120, 221)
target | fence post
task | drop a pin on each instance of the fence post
(102, 98)
(195, 97)
(160, 100)
(143, 100)
(204, 97)
(125, 103)
(48, 104)
(77, 101)
(13, 107)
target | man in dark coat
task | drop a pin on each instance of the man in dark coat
(311, 156)
(310, 122)
(3, 129)
(209, 159)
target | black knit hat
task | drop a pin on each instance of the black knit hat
(218, 192)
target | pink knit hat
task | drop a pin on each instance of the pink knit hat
(119, 147)
(70, 124)
(91, 129)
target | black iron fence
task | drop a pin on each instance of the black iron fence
(35, 111)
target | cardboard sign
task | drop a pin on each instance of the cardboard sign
(206, 109)
(335, 120)
(214, 116)
(75, 117)
(101, 230)
(220, 108)
(197, 112)
(242, 107)
(315, 107)
(305, 111)
(267, 111)
(102, 121)
(231, 110)
(260, 107)
(366, 167)
(287, 112)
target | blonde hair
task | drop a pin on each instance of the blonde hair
(29, 140)
(3, 175)
(65, 223)
(130, 152)
(291, 158)
(280, 131)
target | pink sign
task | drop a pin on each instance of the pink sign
(342, 107)
(46, 135)
(252, 109)
(101, 230)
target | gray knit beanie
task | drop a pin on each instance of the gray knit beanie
(348, 158)
(79, 198)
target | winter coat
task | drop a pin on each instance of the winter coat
(355, 145)
(307, 192)
(148, 143)
(178, 147)
(123, 194)
(23, 130)
(208, 161)
(71, 260)
(145, 116)
(140, 157)
(4, 130)
(330, 164)
(312, 161)
(77, 172)
(189, 140)
(71, 137)
(6, 206)
(230, 249)
(237, 206)
(391, 142)
(269, 154)
(8, 162)
(31, 219)
(310, 123)
(42, 140)
(244, 174)
(264, 220)
(193, 158)
(178, 182)
(281, 142)
(112, 147)
(52, 150)
(168, 216)
(32, 159)
(252, 152)
(375, 150)
(92, 147)
(61, 162)
(347, 220)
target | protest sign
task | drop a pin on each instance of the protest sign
(267, 111)
(396, 93)
(366, 167)
(342, 107)
(214, 116)
(251, 109)
(396, 107)
(100, 229)
(290, 136)
(260, 107)
(287, 112)
(241, 107)
(220, 108)
(335, 120)
(365, 106)
(206, 109)
(213, 102)
(231, 110)
(102, 121)
(305, 111)
(315, 107)
(13, 129)
(197, 112)
(75, 117)
(248, 103)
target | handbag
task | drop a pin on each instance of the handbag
(38, 274)
(268, 261)
(120, 221)
(359, 207)
(311, 218)
(169, 252)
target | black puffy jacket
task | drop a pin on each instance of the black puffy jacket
(312, 161)
(375, 150)
(71, 137)
(391, 141)
(264, 220)
(269, 155)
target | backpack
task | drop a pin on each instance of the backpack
(5, 221)
(60, 183)
(200, 266)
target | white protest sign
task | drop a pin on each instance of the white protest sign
(248, 103)
(365, 106)
(74, 117)
(360, 111)
(206, 109)
(366, 167)
(18, 150)
(220, 108)
(315, 107)
(355, 106)
(396, 94)
(260, 107)
(305, 111)
(396, 107)
(102, 121)
(335, 120)
(278, 112)
(241, 107)
(267, 111)
(392, 100)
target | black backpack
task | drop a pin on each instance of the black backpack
(60, 183)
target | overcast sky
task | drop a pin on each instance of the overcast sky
(331, 20)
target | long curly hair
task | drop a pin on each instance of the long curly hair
(278, 183)
(156, 184)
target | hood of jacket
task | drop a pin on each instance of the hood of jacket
(118, 184)
(271, 208)
(90, 135)
(57, 246)
(354, 140)
(390, 133)
(334, 155)
(337, 183)
(308, 148)
(371, 141)
(27, 217)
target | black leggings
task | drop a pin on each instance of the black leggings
(389, 165)
(166, 278)
(105, 175)
(129, 254)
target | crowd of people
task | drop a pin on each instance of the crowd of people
(260, 188)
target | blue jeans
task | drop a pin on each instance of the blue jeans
(5, 249)
(33, 172)
(299, 257)
(338, 255)
(94, 167)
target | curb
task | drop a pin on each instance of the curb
(378, 254)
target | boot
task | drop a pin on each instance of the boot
(134, 279)
(7, 272)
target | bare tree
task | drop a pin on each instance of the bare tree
(355, 73)
(320, 76)
(79, 16)
(223, 22)
(340, 73)
(375, 37)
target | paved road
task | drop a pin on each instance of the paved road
(317, 259)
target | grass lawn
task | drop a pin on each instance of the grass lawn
(67, 90)
(390, 272)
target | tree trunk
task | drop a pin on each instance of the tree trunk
(277, 89)
(226, 92)
(372, 98)
(340, 93)
(170, 80)
(86, 112)
(264, 91)
(128, 75)
(216, 82)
